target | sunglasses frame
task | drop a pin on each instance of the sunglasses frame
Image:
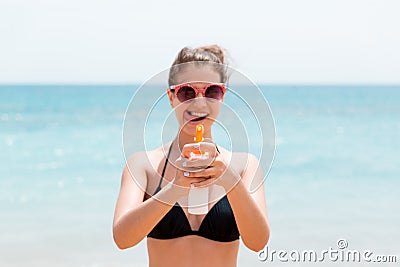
(175, 89)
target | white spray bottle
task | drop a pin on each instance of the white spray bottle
(198, 197)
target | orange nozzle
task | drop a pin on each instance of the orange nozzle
(199, 133)
(199, 137)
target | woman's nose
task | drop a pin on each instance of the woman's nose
(200, 100)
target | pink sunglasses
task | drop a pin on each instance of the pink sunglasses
(186, 91)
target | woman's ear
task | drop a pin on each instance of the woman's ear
(170, 96)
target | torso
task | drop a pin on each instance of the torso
(190, 248)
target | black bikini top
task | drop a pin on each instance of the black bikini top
(219, 223)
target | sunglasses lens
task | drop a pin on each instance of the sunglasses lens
(186, 93)
(215, 92)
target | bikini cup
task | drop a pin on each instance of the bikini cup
(219, 224)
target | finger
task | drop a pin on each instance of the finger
(196, 180)
(202, 162)
(182, 164)
(207, 182)
(208, 173)
(185, 182)
(178, 163)
(197, 163)
(217, 163)
(205, 147)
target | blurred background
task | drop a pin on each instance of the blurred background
(68, 69)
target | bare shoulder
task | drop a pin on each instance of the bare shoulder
(138, 169)
(241, 160)
(137, 162)
(245, 164)
(137, 159)
(147, 157)
(146, 160)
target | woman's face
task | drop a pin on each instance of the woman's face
(200, 110)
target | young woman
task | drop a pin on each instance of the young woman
(174, 236)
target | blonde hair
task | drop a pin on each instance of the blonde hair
(211, 53)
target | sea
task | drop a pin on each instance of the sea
(332, 177)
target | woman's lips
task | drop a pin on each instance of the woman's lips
(194, 117)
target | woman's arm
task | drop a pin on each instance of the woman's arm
(250, 208)
(133, 218)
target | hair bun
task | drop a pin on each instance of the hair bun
(210, 53)
(214, 49)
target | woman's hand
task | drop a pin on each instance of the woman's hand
(205, 169)
(181, 177)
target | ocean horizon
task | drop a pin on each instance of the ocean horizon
(335, 174)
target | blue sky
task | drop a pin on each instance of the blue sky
(285, 41)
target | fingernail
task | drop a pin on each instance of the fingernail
(185, 173)
(184, 164)
(204, 156)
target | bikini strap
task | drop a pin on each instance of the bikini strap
(165, 167)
